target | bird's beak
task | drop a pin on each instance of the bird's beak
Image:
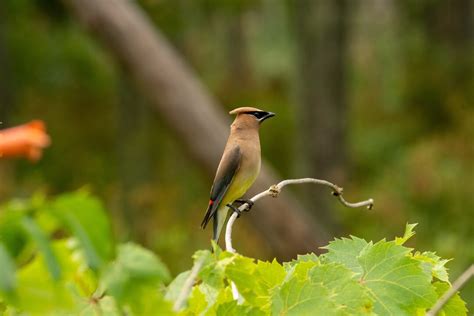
(267, 116)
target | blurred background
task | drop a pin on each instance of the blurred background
(376, 96)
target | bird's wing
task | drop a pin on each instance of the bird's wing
(226, 171)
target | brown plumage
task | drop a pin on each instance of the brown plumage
(239, 165)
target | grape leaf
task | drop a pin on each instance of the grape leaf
(316, 289)
(346, 251)
(395, 280)
(213, 272)
(241, 271)
(433, 265)
(302, 297)
(409, 232)
(309, 257)
(255, 280)
(352, 297)
(270, 274)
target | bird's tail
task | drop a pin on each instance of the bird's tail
(219, 220)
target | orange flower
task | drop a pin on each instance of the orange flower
(27, 140)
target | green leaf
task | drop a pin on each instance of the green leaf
(175, 287)
(134, 267)
(38, 294)
(197, 302)
(12, 234)
(241, 271)
(346, 251)
(269, 274)
(302, 297)
(395, 280)
(85, 217)
(145, 300)
(310, 257)
(328, 289)
(433, 265)
(407, 235)
(347, 292)
(307, 257)
(142, 263)
(7, 271)
(105, 306)
(455, 306)
(255, 280)
(232, 308)
(213, 271)
(44, 246)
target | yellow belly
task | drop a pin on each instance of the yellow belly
(241, 183)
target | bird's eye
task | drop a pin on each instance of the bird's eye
(258, 115)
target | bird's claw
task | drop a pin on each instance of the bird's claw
(235, 209)
(249, 203)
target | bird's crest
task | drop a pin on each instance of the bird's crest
(244, 109)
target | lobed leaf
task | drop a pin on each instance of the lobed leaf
(345, 251)
(395, 280)
(433, 265)
(350, 295)
(409, 232)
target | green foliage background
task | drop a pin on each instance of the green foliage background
(410, 134)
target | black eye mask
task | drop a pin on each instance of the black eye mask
(258, 115)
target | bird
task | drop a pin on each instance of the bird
(238, 167)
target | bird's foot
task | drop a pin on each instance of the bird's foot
(249, 203)
(235, 209)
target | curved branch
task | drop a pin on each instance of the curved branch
(275, 190)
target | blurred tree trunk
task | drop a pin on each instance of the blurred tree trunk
(174, 91)
(320, 27)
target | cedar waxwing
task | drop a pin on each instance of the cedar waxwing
(238, 168)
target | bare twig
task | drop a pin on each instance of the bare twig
(188, 285)
(457, 285)
(274, 191)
